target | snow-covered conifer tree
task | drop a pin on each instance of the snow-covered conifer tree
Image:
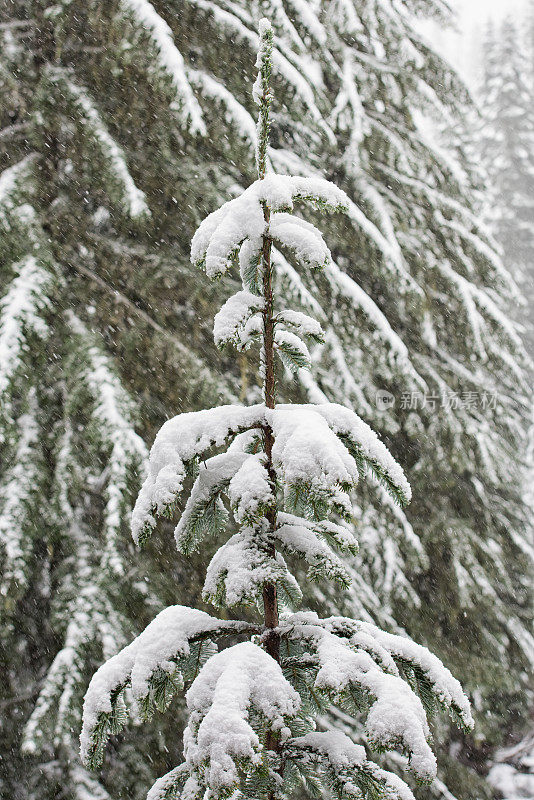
(70, 456)
(509, 146)
(285, 472)
(507, 143)
(120, 114)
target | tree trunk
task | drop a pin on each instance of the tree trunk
(270, 603)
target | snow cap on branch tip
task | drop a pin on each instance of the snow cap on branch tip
(240, 568)
(263, 59)
(265, 26)
(236, 323)
(338, 748)
(223, 234)
(235, 687)
(396, 716)
(347, 764)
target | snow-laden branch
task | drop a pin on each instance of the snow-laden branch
(170, 60)
(113, 416)
(132, 198)
(234, 688)
(22, 311)
(326, 447)
(156, 654)
(220, 236)
(346, 765)
(179, 442)
(347, 656)
(17, 490)
(12, 186)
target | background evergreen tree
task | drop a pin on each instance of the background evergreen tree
(286, 472)
(507, 140)
(108, 115)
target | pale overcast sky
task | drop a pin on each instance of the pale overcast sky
(462, 48)
(479, 10)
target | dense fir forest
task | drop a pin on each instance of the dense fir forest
(123, 124)
(504, 138)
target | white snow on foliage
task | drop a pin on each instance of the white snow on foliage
(16, 490)
(354, 653)
(230, 323)
(284, 26)
(447, 688)
(340, 534)
(249, 490)
(303, 324)
(221, 234)
(162, 787)
(231, 686)
(170, 58)
(293, 350)
(302, 238)
(10, 180)
(247, 487)
(345, 759)
(266, 45)
(213, 474)
(302, 540)
(133, 198)
(178, 442)
(307, 449)
(348, 114)
(396, 715)
(388, 646)
(345, 422)
(21, 314)
(241, 567)
(235, 113)
(167, 637)
(335, 745)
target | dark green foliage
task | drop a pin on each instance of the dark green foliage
(134, 289)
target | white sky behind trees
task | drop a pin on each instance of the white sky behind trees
(462, 46)
(474, 11)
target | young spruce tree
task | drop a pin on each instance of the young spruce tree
(285, 471)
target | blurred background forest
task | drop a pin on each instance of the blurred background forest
(122, 124)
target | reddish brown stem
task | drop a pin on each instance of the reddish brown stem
(270, 603)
